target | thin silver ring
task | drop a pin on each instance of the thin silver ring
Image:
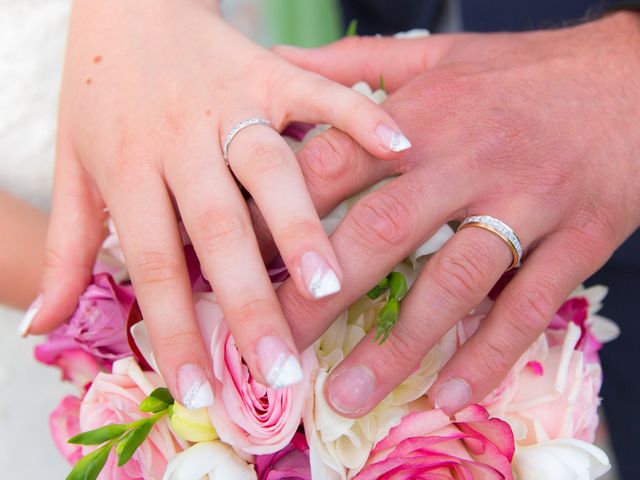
(501, 229)
(249, 122)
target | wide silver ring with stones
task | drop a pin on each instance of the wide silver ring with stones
(499, 228)
(249, 122)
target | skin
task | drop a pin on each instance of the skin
(537, 129)
(150, 90)
(21, 250)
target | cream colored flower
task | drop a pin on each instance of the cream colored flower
(339, 446)
(566, 459)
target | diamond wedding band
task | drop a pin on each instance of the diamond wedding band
(236, 129)
(499, 228)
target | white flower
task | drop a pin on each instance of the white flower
(209, 461)
(566, 459)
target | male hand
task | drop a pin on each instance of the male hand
(537, 129)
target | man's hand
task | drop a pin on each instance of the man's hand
(537, 129)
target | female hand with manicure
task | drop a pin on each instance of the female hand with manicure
(538, 129)
(150, 91)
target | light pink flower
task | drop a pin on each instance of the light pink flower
(115, 398)
(290, 463)
(430, 445)
(563, 401)
(64, 423)
(251, 417)
(77, 366)
(98, 327)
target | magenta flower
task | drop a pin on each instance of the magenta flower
(98, 327)
(290, 463)
(429, 445)
(576, 310)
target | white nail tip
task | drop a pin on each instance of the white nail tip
(25, 324)
(195, 390)
(324, 283)
(199, 396)
(399, 142)
(286, 371)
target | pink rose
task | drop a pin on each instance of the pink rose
(428, 445)
(290, 463)
(64, 423)
(576, 310)
(562, 402)
(115, 398)
(98, 327)
(251, 417)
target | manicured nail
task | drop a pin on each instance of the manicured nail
(278, 365)
(194, 388)
(25, 324)
(452, 396)
(320, 279)
(350, 389)
(392, 139)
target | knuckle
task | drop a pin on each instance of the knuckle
(218, 225)
(173, 342)
(530, 309)
(256, 309)
(462, 274)
(328, 158)
(400, 352)
(299, 230)
(154, 268)
(493, 359)
(267, 158)
(382, 219)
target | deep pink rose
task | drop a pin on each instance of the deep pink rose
(252, 418)
(430, 445)
(97, 327)
(290, 463)
(576, 310)
(115, 398)
(64, 423)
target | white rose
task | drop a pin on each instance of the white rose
(566, 459)
(209, 461)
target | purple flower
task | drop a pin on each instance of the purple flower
(290, 463)
(98, 327)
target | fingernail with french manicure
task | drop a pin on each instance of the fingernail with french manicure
(317, 275)
(452, 396)
(25, 324)
(392, 139)
(350, 389)
(194, 388)
(278, 364)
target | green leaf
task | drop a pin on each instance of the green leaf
(130, 442)
(381, 83)
(159, 400)
(90, 466)
(397, 285)
(375, 292)
(352, 29)
(99, 435)
(387, 318)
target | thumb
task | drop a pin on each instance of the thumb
(75, 234)
(355, 59)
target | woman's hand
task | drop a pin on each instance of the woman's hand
(539, 130)
(150, 91)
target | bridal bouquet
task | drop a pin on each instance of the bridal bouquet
(539, 424)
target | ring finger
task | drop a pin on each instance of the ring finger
(263, 162)
(453, 282)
